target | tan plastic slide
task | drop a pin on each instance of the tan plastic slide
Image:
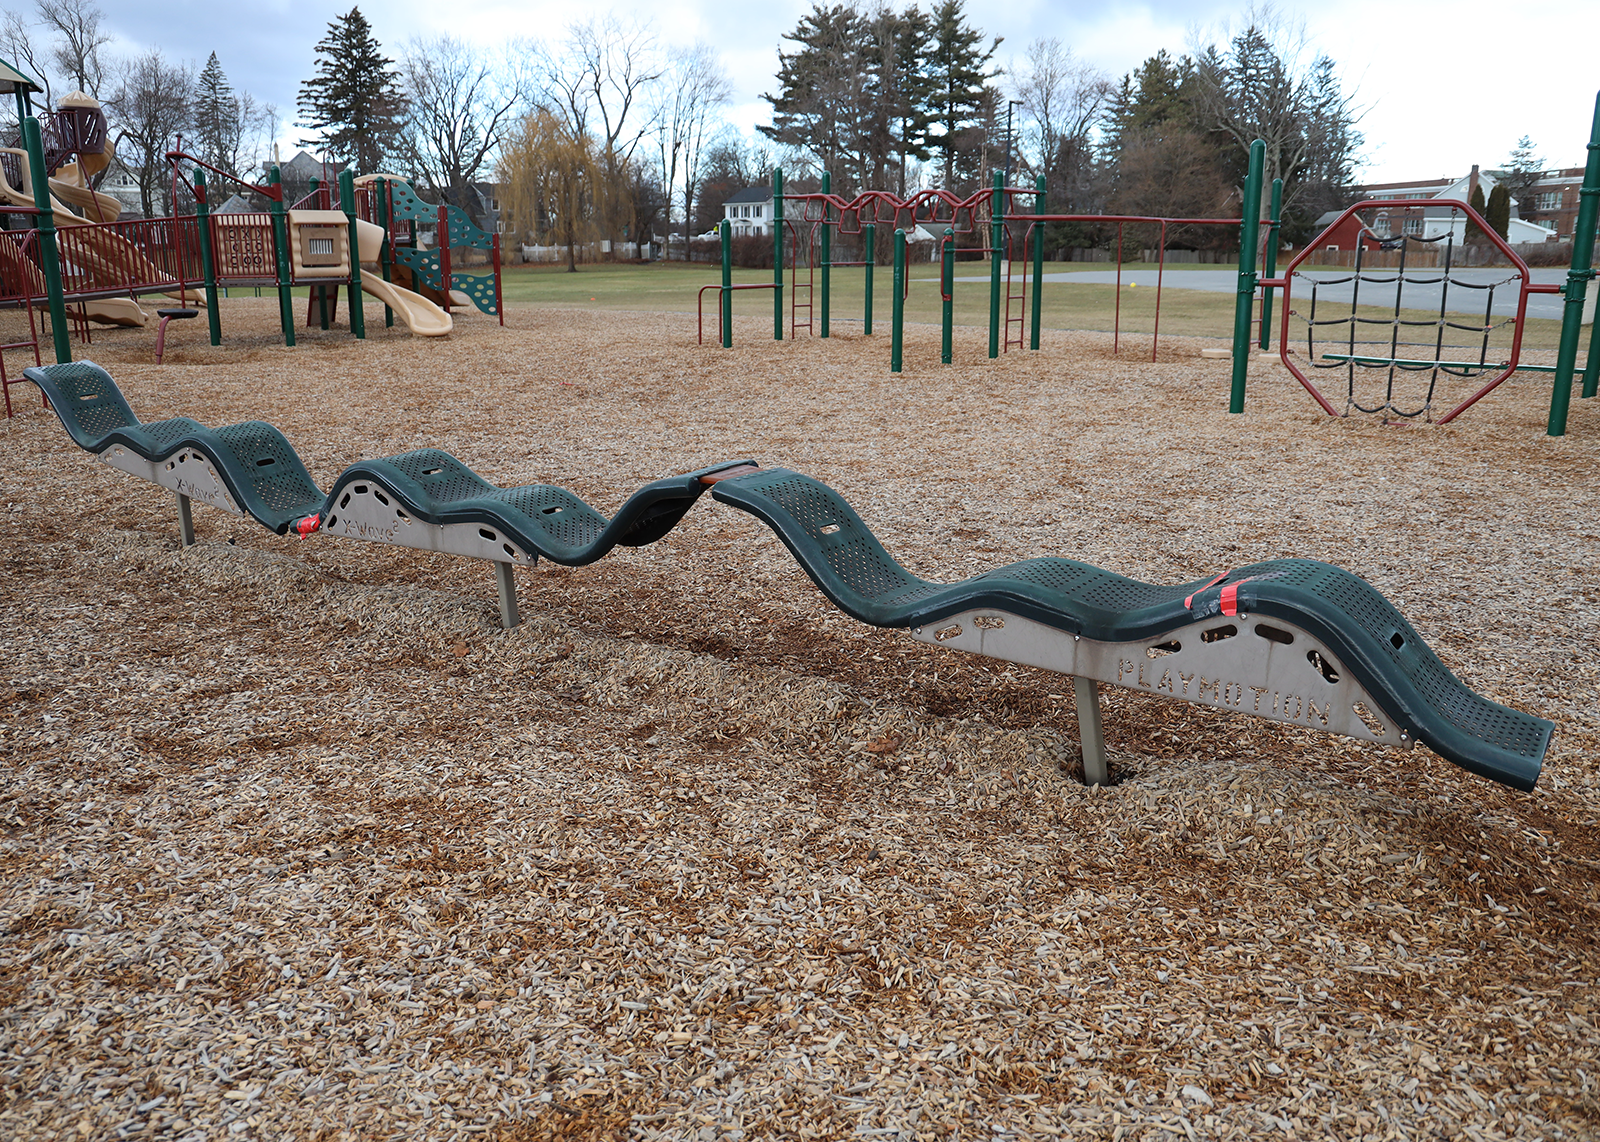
(102, 257)
(421, 316)
(106, 310)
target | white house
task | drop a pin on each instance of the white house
(750, 211)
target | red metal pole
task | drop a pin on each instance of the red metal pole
(1161, 269)
(1116, 321)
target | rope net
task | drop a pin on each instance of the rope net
(1407, 318)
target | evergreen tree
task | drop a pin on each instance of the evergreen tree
(961, 96)
(216, 113)
(354, 104)
(822, 94)
(1522, 174)
(1498, 212)
(1474, 233)
(1155, 97)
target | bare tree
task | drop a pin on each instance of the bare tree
(1063, 97)
(78, 40)
(600, 81)
(22, 47)
(462, 105)
(1265, 84)
(696, 88)
(148, 109)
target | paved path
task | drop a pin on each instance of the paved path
(1424, 297)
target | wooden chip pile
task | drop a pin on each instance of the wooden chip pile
(298, 844)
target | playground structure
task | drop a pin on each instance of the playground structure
(803, 246)
(81, 263)
(995, 212)
(1289, 640)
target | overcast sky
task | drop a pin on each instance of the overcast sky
(1443, 85)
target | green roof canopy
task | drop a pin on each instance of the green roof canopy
(11, 79)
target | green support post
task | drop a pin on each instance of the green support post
(347, 199)
(1578, 276)
(997, 231)
(280, 247)
(897, 327)
(947, 288)
(1274, 224)
(725, 297)
(49, 252)
(385, 219)
(777, 254)
(208, 261)
(827, 251)
(1249, 232)
(1038, 264)
(869, 235)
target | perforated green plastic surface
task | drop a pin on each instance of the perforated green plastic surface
(1349, 615)
(549, 521)
(262, 471)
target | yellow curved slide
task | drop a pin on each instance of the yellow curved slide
(421, 316)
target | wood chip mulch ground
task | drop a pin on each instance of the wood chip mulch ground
(297, 843)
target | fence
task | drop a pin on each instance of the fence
(603, 251)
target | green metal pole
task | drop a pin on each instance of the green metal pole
(347, 199)
(777, 254)
(725, 299)
(827, 251)
(869, 235)
(208, 262)
(385, 216)
(1577, 280)
(1249, 232)
(49, 253)
(1274, 225)
(280, 245)
(1038, 264)
(997, 231)
(947, 284)
(897, 329)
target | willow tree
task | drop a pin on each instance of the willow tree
(551, 182)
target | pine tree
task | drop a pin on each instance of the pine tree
(822, 102)
(1522, 174)
(354, 103)
(216, 112)
(961, 96)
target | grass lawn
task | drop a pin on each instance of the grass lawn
(672, 287)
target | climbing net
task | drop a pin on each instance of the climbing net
(1407, 317)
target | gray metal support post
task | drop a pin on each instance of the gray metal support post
(1091, 734)
(185, 520)
(503, 579)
